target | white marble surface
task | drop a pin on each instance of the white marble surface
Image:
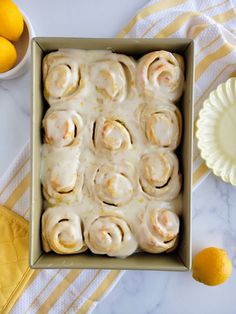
(214, 202)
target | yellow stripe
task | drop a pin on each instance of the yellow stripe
(214, 6)
(105, 285)
(33, 277)
(14, 176)
(84, 289)
(41, 291)
(198, 29)
(220, 18)
(207, 46)
(224, 17)
(233, 74)
(18, 192)
(59, 290)
(212, 57)
(159, 6)
(172, 27)
(26, 212)
(203, 96)
(199, 173)
(176, 24)
(148, 29)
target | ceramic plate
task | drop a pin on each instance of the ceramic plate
(216, 131)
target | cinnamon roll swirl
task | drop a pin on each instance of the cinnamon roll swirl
(111, 135)
(162, 125)
(111, 235)
(62, 231)
(114, 184)
(159, 176)
(62, 76)
(62, 128)
(113, 77)
(158, 229)
(161, 75)
(63, 183)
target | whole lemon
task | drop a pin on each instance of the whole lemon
(211, 266)
(8, 55)
(11, 20)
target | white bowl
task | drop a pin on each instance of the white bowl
(23, 52)
(216, 131)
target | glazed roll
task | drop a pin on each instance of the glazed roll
(63, 183)
(161, 75)
(111, 135)
(159, 175)
(114, 184)
(113, 77)
(110, 235)
(62, 76)
(158, 229)
(162, 125)
(62, 128)
(62, 231)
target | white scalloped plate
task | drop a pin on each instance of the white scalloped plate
(216, 131)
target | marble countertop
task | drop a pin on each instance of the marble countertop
(214, 202)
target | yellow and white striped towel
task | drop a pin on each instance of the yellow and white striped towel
(212, 25)
(51, 291)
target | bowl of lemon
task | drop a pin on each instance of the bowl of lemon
(16, 32)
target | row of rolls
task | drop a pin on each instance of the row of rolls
(71, 75)
(161, 126)
(156, 176)
(109, 232)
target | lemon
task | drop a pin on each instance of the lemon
(8, 55)
(11, 20)
(211, 266)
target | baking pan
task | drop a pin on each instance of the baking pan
(180, 259)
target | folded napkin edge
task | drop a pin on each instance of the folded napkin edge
(13, 215)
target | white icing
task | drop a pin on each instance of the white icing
(62, 231)
(159, 175)
(62, 128)
(161, 75)
(109, 80)
(157, 229)
(111, 235)
(104, 165)
(162, 125)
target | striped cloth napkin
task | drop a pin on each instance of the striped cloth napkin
(212, 23)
